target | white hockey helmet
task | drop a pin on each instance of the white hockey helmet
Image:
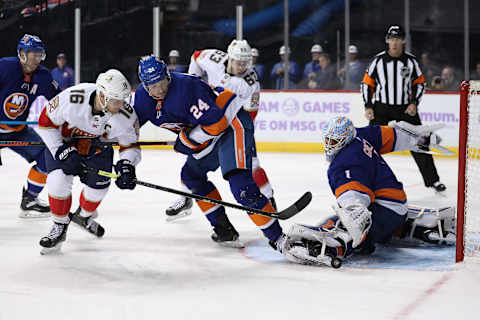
(113, 85)
(174, 53)
(239, 50)
(255, 52)
(282, 50)
(316, 48)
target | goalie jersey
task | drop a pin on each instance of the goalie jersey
(70, 115)
(19, 90)
(359, 172)
(213, 64)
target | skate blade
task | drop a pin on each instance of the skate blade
(34, 215)
(56, 250)
(178, 216)
(237, 244)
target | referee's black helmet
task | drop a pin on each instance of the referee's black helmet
(395, 31)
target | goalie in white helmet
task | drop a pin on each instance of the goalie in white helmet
(75, 125)
(371, 203)
(232, 70)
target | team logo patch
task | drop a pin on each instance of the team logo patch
(405, 72)
(15, 105)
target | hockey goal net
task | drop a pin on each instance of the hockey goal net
(468, 205)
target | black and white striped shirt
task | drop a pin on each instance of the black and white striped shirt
(393, 81)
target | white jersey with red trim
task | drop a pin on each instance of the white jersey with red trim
(212, 63)
(70, 114)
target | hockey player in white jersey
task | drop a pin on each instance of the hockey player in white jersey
(75, 125)
(232, 70)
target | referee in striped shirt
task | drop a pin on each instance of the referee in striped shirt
(392, 88)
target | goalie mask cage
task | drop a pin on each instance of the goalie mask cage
(468, 201)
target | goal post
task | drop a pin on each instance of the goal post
(468, 199)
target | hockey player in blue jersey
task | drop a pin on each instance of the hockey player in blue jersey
(214, 131)
(22, 80)
(371, 203)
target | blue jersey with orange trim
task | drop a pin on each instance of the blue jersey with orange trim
(360, 167)
(189, 102)
(18, 91)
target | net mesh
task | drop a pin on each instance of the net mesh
(472, 175)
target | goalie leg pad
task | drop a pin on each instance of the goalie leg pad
(357, 219)
(431, 225)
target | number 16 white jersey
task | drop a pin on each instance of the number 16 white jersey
(70, 114)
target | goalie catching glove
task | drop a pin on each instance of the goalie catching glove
(418, 138)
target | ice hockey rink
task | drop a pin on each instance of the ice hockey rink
(146, 268)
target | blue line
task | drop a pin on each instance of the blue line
(18, 122)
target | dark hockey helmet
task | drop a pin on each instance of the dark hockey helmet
(395, 31)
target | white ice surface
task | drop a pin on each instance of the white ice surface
(145, 268)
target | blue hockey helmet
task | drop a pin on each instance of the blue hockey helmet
(31, 43)
(151, 70)
(338, 133)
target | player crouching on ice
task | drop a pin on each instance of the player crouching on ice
(372, 205)
(73, 125)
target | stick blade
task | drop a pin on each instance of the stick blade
(295, 208)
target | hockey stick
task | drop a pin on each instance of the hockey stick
(287, 213)
(8, 143)
(18, 122)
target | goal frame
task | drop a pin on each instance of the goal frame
(462, 161)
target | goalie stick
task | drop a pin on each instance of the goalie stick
(287, 213)
(10, 143)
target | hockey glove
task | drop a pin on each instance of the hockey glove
(127, 178)
(70, 160)
(186, 145)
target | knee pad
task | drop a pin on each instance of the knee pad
(245, 190)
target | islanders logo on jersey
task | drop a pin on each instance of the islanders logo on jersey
(15, 105)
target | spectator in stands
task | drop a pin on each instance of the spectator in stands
(327, 80)
(63, 74)
(313, 67)
(449, 80)
(259, 68)
(355, 70)
(430, 69)
(173, 64)
(476, 74)
(278, 70)
(436, 83)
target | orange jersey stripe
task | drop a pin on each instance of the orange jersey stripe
(420, 79)
(216, 128)
(239, 144)
(368, 80)
(223, 98)
(388, 138)
(355, 186)
(37, 177)
(391, 193)
(204, 205)
(260, 220)
(15, 128)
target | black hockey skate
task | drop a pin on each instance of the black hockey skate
(439, 187)
(88, 224)
(224, 233)
(32, 207)
(52, 243)
(181, 208)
